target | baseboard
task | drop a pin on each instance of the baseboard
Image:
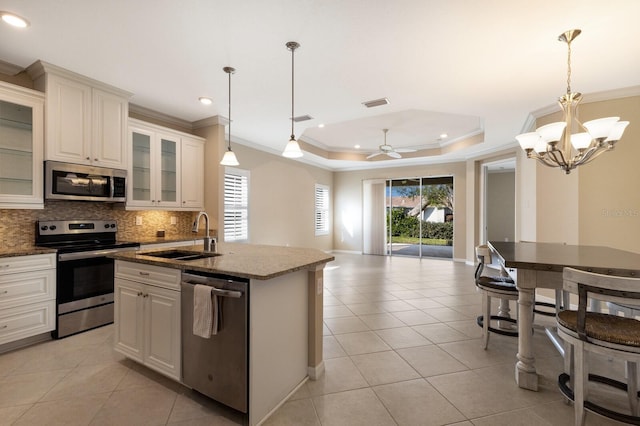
(316, 372)
(346, 251)
(27, 341)
(286, 398)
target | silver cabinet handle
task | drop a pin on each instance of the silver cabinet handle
(146, 274)
(140, 293)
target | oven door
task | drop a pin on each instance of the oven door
(83, 283)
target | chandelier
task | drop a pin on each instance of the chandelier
(555, 146)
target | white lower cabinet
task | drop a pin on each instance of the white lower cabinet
(27, 296)
(147, 316)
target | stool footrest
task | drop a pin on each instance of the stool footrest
(480, 322)
(564, 378)
(545, 313)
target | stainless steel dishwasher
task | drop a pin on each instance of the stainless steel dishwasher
(218, 366)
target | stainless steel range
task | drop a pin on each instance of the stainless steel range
(84, 272)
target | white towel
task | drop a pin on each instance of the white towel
(205, 311)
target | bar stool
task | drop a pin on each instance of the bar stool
(501, 287)
(610, 335)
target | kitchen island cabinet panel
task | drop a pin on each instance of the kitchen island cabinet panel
(278, 336)
(162, 332)
(147, 316)
(128, 319)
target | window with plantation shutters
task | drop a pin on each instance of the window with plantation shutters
(236, 205)
(322, 210)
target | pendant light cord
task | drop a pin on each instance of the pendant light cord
(293, 49)
(229, 143)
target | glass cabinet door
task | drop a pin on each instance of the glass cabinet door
(21, 147)
(16, 149)
(168, 170)
(141, 166)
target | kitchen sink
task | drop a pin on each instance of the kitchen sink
(180, 254)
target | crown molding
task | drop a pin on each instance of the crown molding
(159, 116)
(9, 69)
(38, 68)
(210, 121)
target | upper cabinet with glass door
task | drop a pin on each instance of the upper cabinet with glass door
(158, 175)
(21, 140)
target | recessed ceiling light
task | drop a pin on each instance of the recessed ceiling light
(14, 20)
(357, 146)
(205, 101)
(321, 125)
(444, 136)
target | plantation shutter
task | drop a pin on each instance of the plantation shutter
(322, 210)
(236, 205)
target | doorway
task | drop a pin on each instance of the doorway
(499, 201)
(419, 217)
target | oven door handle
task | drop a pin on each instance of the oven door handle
(63, 257)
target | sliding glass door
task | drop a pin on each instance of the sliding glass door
(419, 213)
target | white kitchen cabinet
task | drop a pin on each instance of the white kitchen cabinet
(147, 316)
(192, 173)
(27, 296)
(86, 120)
(21, 147)
(166, 169)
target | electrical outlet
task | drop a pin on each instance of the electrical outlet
(138, 220)
(174, 221)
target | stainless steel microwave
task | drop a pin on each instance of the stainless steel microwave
(66, 181)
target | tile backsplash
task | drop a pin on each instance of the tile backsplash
(17, 227)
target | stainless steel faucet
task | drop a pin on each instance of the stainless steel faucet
(209, 243)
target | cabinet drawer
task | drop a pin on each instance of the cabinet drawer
(26, 321)
(149, 274)
(10, 265)
(27, 287)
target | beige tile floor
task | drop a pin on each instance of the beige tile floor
(401, 347)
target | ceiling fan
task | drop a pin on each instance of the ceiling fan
(388, 149)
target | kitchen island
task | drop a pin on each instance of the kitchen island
(284, 320)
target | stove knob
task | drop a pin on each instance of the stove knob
(52, 227)
(44, 227)
(113, 225)
(106, 225)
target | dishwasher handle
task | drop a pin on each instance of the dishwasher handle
(214, 290)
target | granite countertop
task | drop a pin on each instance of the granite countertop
(261, 262)
(30, 249)
(24, 250)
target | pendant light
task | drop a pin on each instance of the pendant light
(292, 150)
(229, 158)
